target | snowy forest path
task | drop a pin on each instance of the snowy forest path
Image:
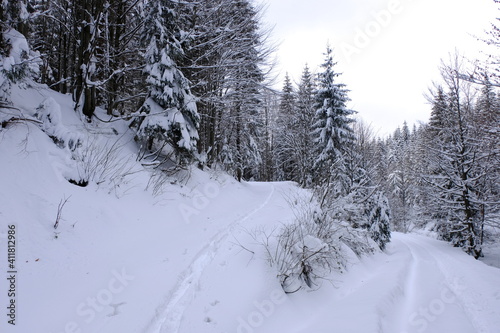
(419, 285)
(469, 288)
(169, 316)
(429, 298)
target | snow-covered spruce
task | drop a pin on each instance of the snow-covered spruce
(169, 120)
(379, 223)
(332, 128)
(18, 64)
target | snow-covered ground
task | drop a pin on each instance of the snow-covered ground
(187, 260)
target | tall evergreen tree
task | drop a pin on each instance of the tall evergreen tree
(332, 123)
(242, 121)
(379, 219)
(270, 169)
(487, 133)
(294, 139)
(287, 103)
(305, 115)
(286, 133)
(209, 58)
(439, 111)
(401, 177)
(171, 119)
(224, 59)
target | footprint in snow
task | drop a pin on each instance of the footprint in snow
(115, 309)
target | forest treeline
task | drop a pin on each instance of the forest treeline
(194, 79)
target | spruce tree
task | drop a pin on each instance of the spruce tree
(171, 119)
(305, 115)
(286, 133)
(439, 111)
(401, 179)
(379, 219)
(331, 129)
(486, 132)
(287, 103)
(242, 121)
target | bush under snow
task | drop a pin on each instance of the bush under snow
(307, 251)
(49, 113)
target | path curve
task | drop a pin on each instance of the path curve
(169, 316)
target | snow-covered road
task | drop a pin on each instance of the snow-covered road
(419, 285)
(442, 290)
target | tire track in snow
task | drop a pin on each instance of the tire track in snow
(398, 302)
(410, 290)
(453, 283)
(169, 316)
(423, 286)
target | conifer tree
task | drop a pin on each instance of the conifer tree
(241, 124)
(402, 183)
(305, 115)
(438, 112)
(332, 123)
(286, 133)
(287, 103)
(17, 61)
(487, 133)
(171, 119)
(379, 219)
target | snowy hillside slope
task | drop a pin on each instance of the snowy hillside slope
(123, 259)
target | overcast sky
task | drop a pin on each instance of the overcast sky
(388, 50)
